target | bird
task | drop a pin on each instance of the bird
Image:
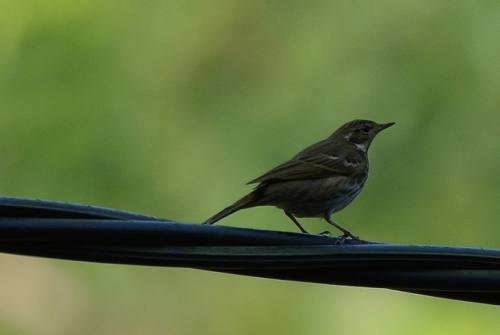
(318, 181)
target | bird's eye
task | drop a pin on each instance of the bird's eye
(366, 129)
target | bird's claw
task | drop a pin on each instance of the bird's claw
(343, 238)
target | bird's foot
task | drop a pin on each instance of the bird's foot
(354, 237)
(343, 238)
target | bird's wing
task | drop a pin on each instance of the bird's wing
(312, 167)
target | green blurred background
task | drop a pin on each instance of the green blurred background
(169, 107)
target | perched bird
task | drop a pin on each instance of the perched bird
(320, 180)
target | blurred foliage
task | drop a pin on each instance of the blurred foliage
(168, 108)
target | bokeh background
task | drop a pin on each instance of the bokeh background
(169, 107)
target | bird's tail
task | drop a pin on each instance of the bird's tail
(245, 202)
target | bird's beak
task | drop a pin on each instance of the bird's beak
(383, 126)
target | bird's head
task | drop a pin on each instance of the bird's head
(360, 132)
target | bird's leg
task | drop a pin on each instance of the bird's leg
(346, 232)
(290, 215)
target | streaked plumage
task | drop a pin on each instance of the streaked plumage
(320, 180)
